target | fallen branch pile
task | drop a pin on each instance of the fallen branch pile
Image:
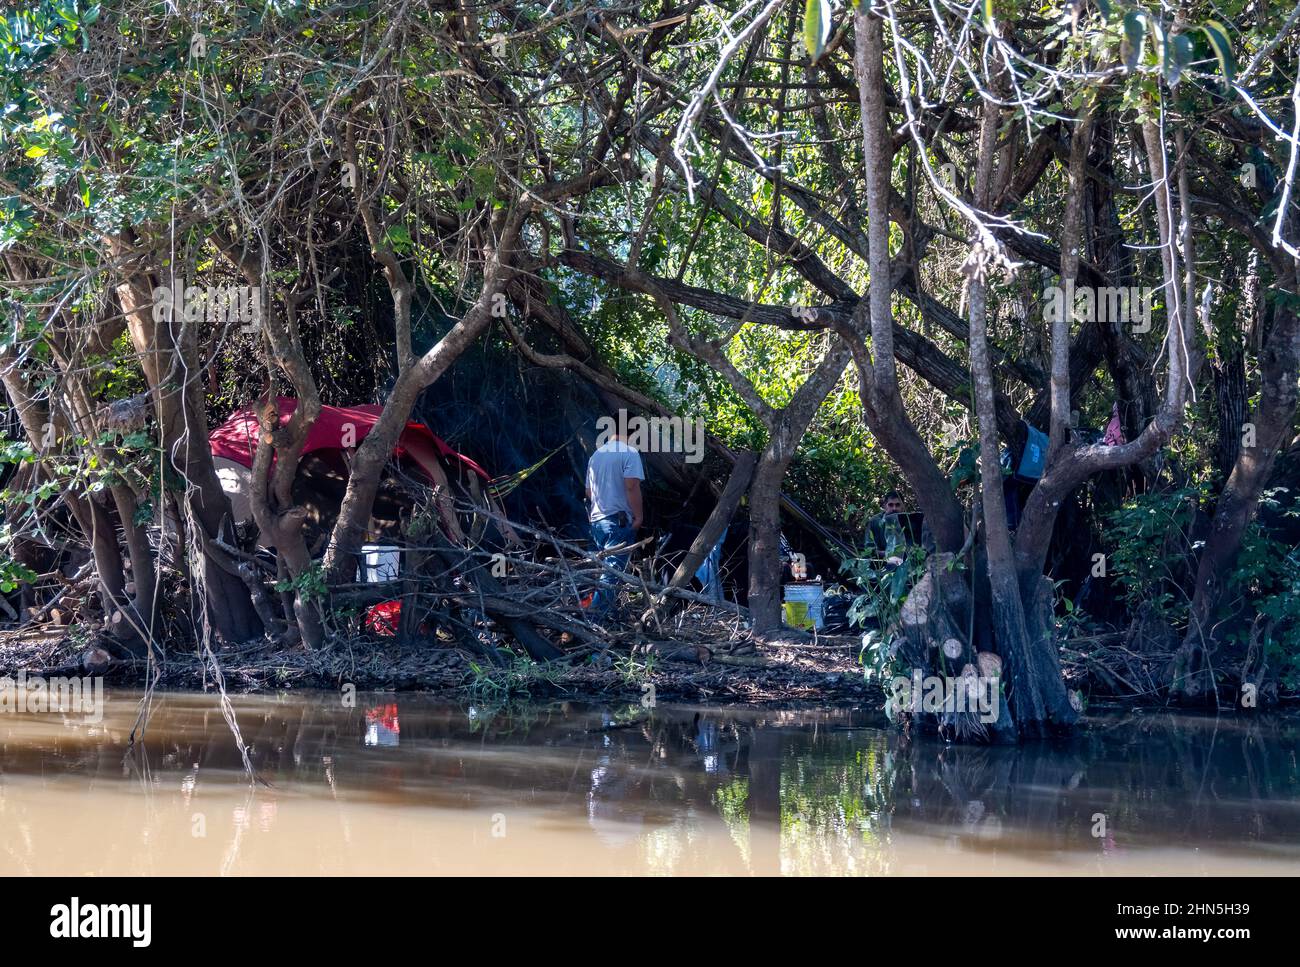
(535, 593)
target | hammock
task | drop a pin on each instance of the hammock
(500, 487)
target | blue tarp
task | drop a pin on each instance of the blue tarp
(709, 573)
(1035, 455)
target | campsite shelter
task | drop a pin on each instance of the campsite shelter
(332, 439)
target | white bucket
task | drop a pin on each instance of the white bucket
(237, 482)
(809, 594)
(380, 562)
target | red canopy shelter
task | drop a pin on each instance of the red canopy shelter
(336, 428)
(236, 439)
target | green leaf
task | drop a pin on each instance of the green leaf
(989, 23)
(36, 151)
(898, 584)
(1178, 54)
(816, 26)
(1160, 41)
(1218, 37)
(1135, 32)
(399, 236)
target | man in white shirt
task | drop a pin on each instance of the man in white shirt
(614, 475)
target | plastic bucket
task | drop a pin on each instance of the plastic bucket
(804, 606)
(796, 615)
(380, 562)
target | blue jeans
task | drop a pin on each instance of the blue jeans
(605, 533)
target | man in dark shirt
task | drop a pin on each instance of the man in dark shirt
(885, 535)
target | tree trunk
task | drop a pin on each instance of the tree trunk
(278, 518)
(882, 404)
(786, 428)
(94, 522)
(168, 357)
(937, 637)
(1271, 424)
(765, 541)
(1230, 402)
(1038, 697)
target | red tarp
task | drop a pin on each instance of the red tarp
(236, 439)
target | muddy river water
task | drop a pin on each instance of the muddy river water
(400, 784)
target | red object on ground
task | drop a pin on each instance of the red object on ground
(236, 439)
(383, 618)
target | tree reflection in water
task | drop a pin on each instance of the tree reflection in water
(759, 791)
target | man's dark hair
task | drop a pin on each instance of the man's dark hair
(892, 495)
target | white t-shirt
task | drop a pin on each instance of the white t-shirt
(608, 467)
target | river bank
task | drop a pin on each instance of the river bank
(821, 671)
(742, 672)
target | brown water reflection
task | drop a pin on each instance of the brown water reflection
(404, 785)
